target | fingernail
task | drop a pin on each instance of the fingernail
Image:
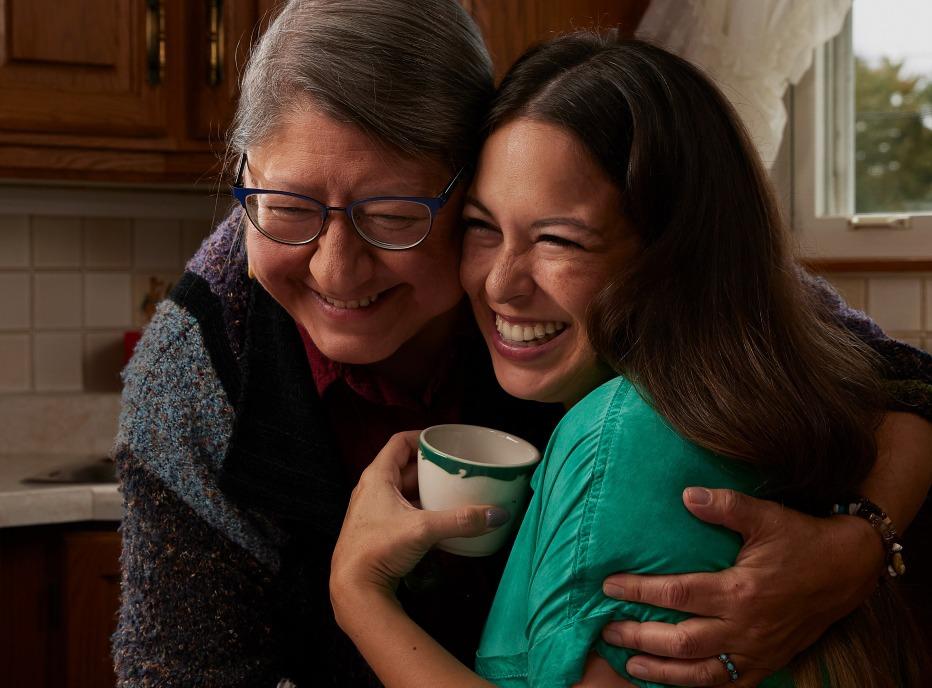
(613, 590)
(496, 516)
(636, 668)
(611, 637)
(699, 496)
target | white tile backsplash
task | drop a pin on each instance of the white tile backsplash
(58, 359)
(69, 260)
(894, 302)
(53, 423)
(103, 361)
(58, 300)
(15, 363)
(14, 301)
(157, 244)
(108, 243)
(56, 242)
(14, 241)
(107, 300)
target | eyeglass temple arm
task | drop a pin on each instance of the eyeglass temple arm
(239, 172)
(451, 185)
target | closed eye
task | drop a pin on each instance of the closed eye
(474, 224)
(558, 241)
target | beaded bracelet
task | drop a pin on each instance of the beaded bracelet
(877, 517)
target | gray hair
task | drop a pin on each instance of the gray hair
(414, 74)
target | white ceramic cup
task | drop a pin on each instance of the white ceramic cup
(461, 465)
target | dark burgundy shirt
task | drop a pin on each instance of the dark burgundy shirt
(356, 396)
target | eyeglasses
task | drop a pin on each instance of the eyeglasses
(393, 223)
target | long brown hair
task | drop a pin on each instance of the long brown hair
(713, 320)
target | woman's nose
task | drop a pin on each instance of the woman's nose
(510, 277)
(342, 261)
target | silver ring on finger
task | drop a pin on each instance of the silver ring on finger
(729, 666)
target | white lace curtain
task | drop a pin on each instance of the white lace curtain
(753, 49)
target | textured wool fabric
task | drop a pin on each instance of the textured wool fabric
(234, 494)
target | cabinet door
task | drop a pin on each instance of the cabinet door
(511, 26)
(88, 67)
(29, 611)
(218, 36)
(90, 601)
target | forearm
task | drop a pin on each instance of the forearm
(191, 611)
(400, 652)
(901, 478)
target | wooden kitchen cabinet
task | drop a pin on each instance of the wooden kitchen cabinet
(510, 26)
(59, 596)
(119, 90)
(143, 91)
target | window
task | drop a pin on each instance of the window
(861, 137)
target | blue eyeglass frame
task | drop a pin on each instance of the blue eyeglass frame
(433, 204)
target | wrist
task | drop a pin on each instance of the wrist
(355, 601)
(862, 538)
(864, 509)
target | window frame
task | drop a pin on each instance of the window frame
(819, 141)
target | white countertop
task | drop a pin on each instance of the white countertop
(25, 504)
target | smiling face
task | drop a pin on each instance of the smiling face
(359, 303)
(544, 234)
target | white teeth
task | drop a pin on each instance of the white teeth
(352, 305)
(530, 333)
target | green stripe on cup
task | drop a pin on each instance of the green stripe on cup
(471, 470)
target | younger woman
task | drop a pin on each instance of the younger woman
(618, 195)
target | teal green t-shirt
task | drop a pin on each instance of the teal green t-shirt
(607, 498)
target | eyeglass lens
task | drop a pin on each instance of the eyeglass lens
(292, 219)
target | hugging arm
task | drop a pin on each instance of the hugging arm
(796, 574)
(192, 603)
(383, 537)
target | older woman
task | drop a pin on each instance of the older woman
(322, 316)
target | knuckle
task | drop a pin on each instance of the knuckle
(422, 529)
(683, 644)
(366, 478)
(673, 594)
(746, 591)
(633, 591)
(468, 520)
(631, 636)
(707, 675)
(661, 674)
(730, 500)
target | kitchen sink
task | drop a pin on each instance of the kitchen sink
(93, 470)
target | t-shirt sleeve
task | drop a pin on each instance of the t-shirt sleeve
(610, 501)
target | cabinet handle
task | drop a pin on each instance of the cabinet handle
(155, 40)
(214, 42)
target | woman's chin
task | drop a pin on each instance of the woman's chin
(522, 387)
